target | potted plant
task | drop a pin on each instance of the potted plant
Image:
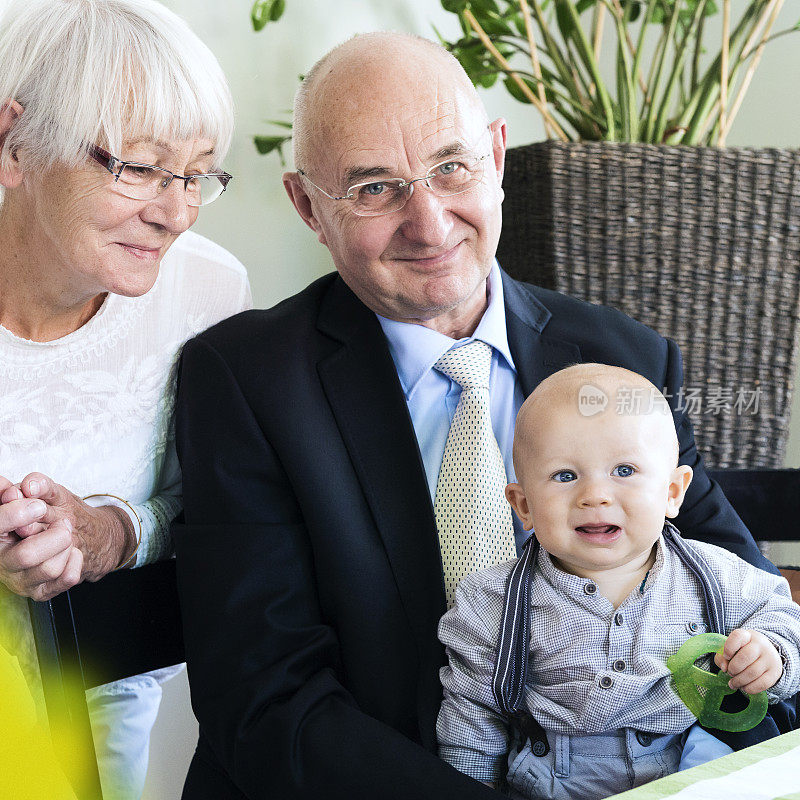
(634, 201)
(669, 81)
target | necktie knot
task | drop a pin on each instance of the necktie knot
(468, 365)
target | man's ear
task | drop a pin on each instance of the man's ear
(302, 202)
(516, 496)
(498, 131)
(679, 483)
(11, 173)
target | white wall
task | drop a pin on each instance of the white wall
(255, 221)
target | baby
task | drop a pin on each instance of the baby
(611, 599)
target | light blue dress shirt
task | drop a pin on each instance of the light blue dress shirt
(432, 397)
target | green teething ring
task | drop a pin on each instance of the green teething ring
(687, 678)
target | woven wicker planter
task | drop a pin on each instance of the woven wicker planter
(699, 243)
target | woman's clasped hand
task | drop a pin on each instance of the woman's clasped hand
(50, 539)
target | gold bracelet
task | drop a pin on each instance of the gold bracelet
(138, 520)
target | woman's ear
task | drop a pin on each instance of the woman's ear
(11, 171)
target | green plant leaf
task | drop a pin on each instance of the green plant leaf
(480, 7)
(264, 11)
(564, 20)
(455, 6)
(495, 25)
(663, 10)
(269, 144)
(475, 59)
(515, 91)
(278, 7)
(710, 9)
(635, 9)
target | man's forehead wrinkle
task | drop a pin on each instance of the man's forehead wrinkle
(357, 161)
(372, 124)
(371, 153)
(444, 126)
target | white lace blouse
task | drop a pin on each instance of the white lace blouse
(93, 410)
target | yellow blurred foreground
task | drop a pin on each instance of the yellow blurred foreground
(29, 768)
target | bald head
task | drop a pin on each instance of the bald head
(360, 77)
(595, 394)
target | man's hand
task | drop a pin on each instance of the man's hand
(51, 540)
(751, 660)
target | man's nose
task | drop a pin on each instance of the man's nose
(427, 219)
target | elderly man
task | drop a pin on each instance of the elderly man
(331, 505)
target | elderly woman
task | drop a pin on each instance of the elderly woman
(114, 121)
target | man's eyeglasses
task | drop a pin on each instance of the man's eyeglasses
(375, 198)
(146, 182)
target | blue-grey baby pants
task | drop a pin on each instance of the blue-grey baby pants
(592, 767)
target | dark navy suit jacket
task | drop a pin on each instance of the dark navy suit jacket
(308, 566)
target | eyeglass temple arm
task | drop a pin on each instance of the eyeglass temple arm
(105, 159)
(347, 196)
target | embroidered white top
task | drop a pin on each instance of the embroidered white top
(93, 410)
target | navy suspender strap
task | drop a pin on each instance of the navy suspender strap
(508, 683)
(513, 644)
(712, 592)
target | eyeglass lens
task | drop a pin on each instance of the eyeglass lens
(141, 182)
(447, 178)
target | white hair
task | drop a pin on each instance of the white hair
(103, 72)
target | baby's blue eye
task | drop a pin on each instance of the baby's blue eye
(564, 476)
(623, 471)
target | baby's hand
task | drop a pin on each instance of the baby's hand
(751, 660)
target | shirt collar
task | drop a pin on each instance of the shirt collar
(415, 348)
(575, 586)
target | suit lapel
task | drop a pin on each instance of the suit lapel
(536, 355)
(362, 387)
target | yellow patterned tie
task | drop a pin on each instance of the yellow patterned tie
(472, 514)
